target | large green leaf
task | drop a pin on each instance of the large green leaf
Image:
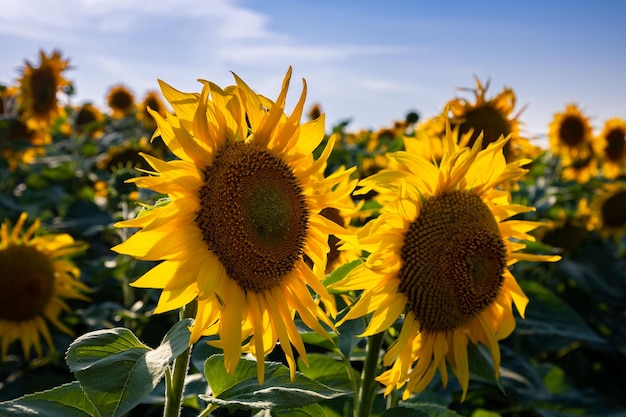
(117, 371)
(66, 400)
(328, 371)
(242, 389)
(549, 316)
(423, 409)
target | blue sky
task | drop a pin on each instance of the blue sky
(368, 61)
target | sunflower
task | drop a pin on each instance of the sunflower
(88, 120)
(121, 101)
(152, 100)
(566, 231)
(493, 117)
(35, 279)
(18, 143)
(570, 134)
(580, 169)
(611, 145)
(39, 86)
(128, 155)
(439, 254)
(315, 111)
(608, 211)
(246, 198)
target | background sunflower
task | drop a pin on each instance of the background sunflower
(35, 279)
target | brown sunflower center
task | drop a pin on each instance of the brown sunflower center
(253, 215)
(121, 100)
(84, 117)
(453, 260)
(44, 87)
(486, 119)
(614, 210)
(615, 144)
(26, 282)
(572, 131)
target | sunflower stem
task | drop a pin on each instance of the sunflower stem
(175, 385)
(366, 394)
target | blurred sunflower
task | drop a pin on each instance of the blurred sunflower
(121, 101)
(425, 143)
(39, 86)
(314, 112)
(568, 230)
(35, 279)
(88, 120)
(152, 100)
(21, 144)
(492, 116)
(570, 134)
(245, 203)
(611, 146)
(128, 155)
(344, 215)
(580, 169)
(439, 253)
(608, 211)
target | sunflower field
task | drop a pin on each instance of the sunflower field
(214, 253)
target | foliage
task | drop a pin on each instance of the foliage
(566, 358)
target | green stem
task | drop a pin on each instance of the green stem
(175, 384)
(367, 392)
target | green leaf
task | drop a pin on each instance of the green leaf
(425, 409)
(117, 371)
(242, 389)
(403, 412)
(311, 410)
(347, 339)
(66, 400)
(481, 364)
(328, 371)
(549, 316)
(341, 272)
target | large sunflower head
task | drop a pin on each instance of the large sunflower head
(491, 117)
(570, 133)
(35, 279)
(246, 201)
(121, 101)
(439, 255)
(611, 146)
(39, 85)
(152, 100)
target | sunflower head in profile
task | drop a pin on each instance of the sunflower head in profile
(121, 101)
(246, 200)
(611, 146)
(88, 120)
(39, 86)
(439, 254)
(492, 117)
(570, 133)
(152, 100)
(36, 277)
(608, 211)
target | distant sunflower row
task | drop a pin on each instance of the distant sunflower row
(246, 204)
